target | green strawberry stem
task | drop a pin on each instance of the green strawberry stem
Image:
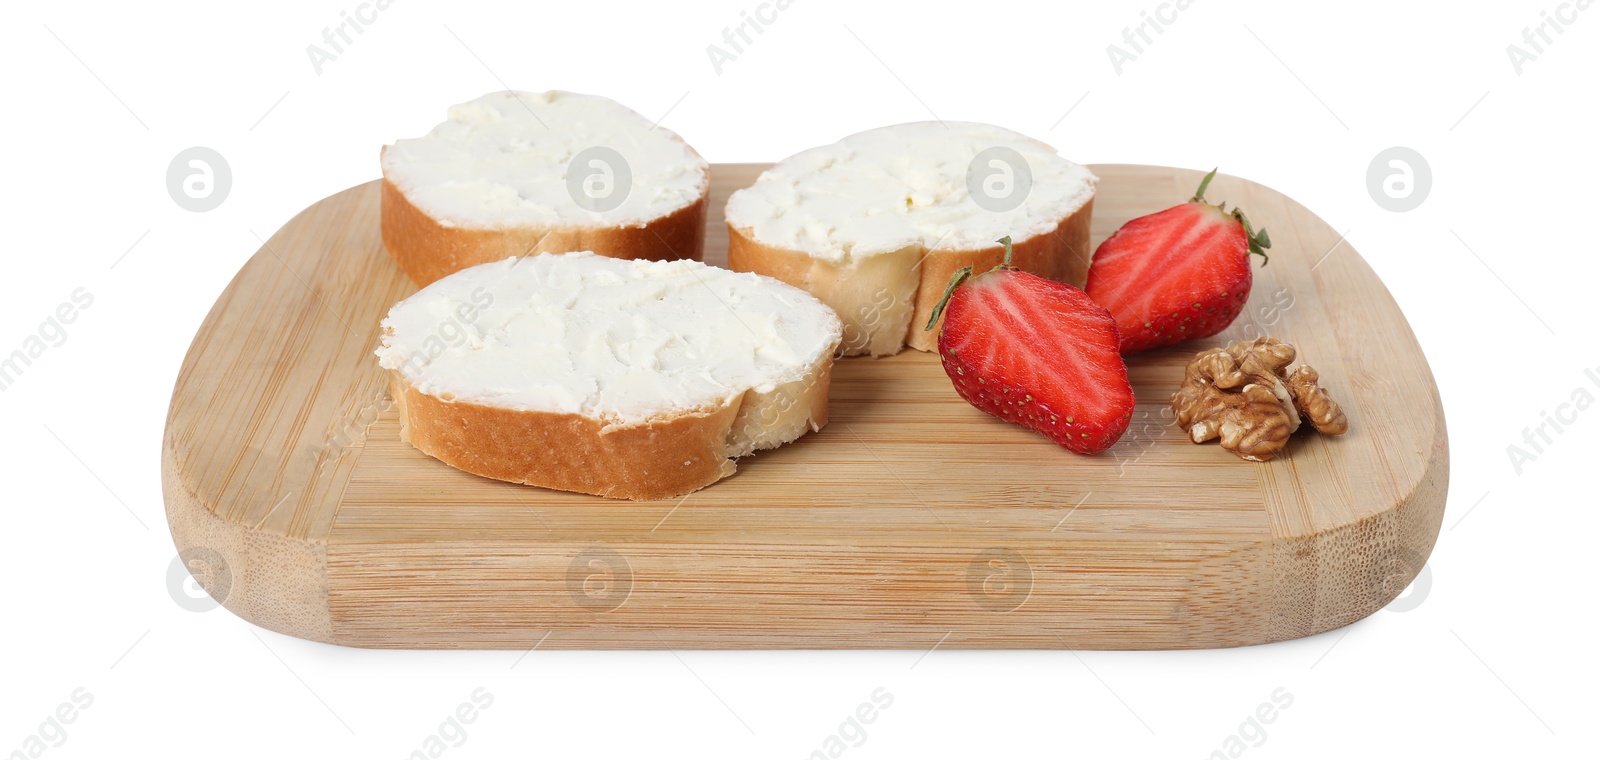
(960, 276)
(1259, 242)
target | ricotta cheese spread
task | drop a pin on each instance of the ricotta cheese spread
(507, 160)
(619, 340)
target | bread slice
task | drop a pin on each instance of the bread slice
(626, 379)
(875, 224)
(504, 176)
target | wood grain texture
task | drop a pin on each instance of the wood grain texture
(910, 519)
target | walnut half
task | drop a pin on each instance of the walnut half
(1245, 396)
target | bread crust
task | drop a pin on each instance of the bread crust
(427, 250)
(669, 455)
(1061, 254)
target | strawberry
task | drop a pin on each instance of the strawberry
(1178, 274)
(1035, 352)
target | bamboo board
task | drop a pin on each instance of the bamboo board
(912, 520)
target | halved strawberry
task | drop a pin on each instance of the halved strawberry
(1035, 352)
(1178, 274)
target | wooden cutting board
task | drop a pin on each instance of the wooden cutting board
(911, 521)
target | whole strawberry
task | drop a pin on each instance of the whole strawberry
(1178, 274)
(1035, 352)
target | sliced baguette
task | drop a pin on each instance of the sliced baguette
(624, 379)
(492, 182)
(876, 224)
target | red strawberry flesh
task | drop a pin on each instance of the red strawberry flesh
(1040, 354)
(1153, 272)
(1176, 275)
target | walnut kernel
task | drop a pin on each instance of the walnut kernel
(1314, 403)
(1245, 396)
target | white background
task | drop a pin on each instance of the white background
(1497, 658)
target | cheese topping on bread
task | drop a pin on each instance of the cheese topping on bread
(623, 341)
(502, 161)
(883, 190)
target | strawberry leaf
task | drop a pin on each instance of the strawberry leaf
(955, 281)
(1259, 242)
(1200, 193)
(1006, 264)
